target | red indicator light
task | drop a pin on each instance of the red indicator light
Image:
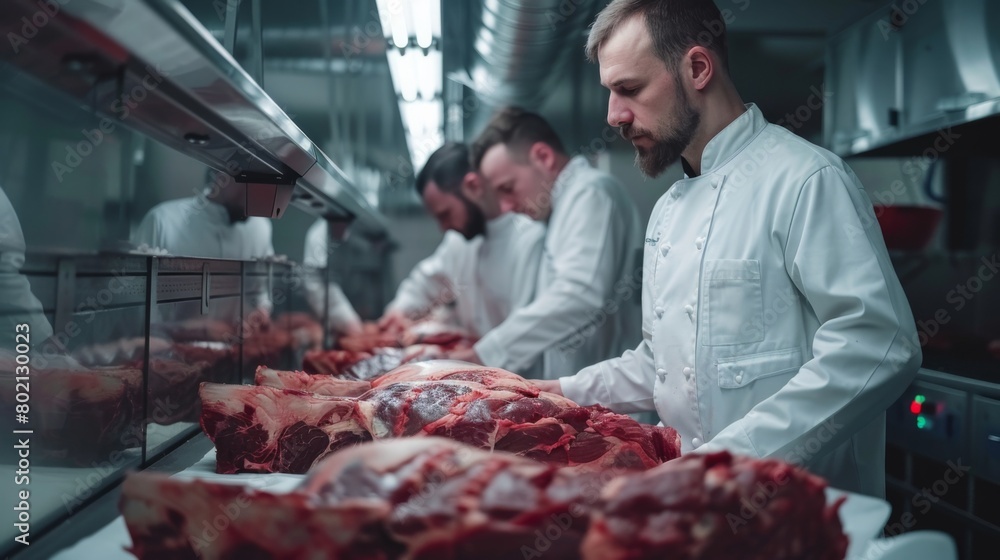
(915, 407)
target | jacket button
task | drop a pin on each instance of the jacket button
(739, 378)
(661, 373)
(689, 309)
(658, 311)
(687, 372)
(664, 249)
(696, 443)
(699, 243)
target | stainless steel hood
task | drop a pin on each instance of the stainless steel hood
(915, 76)
(149, 65)
(523, 47)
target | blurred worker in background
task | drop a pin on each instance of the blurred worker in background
(586, 305)
(487, 264)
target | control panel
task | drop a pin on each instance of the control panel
(930, 420)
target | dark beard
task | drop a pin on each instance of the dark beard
(666, 150)
(475, 224)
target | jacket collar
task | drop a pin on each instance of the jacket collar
(729, 142)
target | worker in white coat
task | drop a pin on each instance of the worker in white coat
(341, 316)
(486, 265)
(773, 322)
(213, 225)
(586, 306)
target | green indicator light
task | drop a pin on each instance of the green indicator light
(920, 399)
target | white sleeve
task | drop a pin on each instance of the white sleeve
(623, 384)
(150, 231)
(585, 253)
(342, 313)
(430, 283)
(864, 352)
(264, 243)
(316, 248)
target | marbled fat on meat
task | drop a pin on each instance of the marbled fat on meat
(433, 499)
(485, 407)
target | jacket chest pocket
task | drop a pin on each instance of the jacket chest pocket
(732, 302)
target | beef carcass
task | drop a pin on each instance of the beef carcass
(428, 498)
(716, 506)
(266, 429)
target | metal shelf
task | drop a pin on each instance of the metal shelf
(150, 66)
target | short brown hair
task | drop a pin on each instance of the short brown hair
(674, 26)
(517, 129)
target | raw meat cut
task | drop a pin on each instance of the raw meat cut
(327, 385)
(262, 429)
(421, 498)
(339, 386)
(364, 365)
(331, 362)
(173, 386)
(434, 499)
(425, 332)
(716, 506)
(271, 346)
(80, 417)
(266, 429)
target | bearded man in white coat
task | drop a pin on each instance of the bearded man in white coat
(773, 322)
(485, 267)
(586, 308)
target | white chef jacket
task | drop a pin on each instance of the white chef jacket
(197, 227)
(18, 305)
(586, 306)
(485, 278)
(340, 311)
(773, 322)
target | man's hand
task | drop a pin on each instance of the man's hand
(348, 328)
(548, 385)
(393, 321)
(466, 355)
